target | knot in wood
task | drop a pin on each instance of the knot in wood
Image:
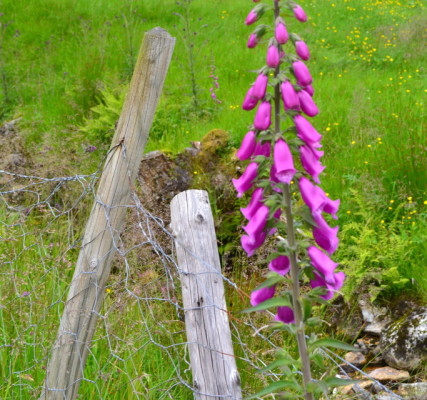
(200, 218)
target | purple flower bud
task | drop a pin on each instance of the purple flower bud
(246, 181)
(252, 41)
(262, 149)
(306, 131)
(258, 221)
(273, 56)
(302, 73)
(283, 162)
(250, 245)
(251, 18)
(299, 14)
(309, 89)
(261, 295)
(250, 101)
(281, 33)
(302, 50)
(285, 315)
(310, 163)
(247, 147)
(324, 235)
(254, 204)
(323, 264)
(289, 96)
(260, 86)
(280, 265)
(308, 106)
(263, 116)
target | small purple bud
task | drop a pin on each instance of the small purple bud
(250, 101)
(308, 106)
(247, 147)
(252, 41)
(251, 18)
(302, 50)
(260, 86)
(246, 181)
(280, 265)
(310, 163)
(283, 162)
(263, 116)
(273, 56)
(289, 96)
(254, 204)
(299, 14)
(302, 73)
(261, 295)
(281, 33)
(285, 315)
(309, 89)
(306, 131)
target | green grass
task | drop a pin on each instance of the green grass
(59, 59)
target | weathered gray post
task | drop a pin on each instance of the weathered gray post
(213, 364)
(86, 294)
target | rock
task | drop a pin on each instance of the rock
(355, 358)
(413, 391)
(387, 374)
(362, 394)
(375, 318)
(404, 342)
(386, 396)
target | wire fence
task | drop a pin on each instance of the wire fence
(139, 350)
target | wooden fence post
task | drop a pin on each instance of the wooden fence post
(67, 359)
(215, 374)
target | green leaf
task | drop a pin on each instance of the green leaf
(272, 279)
(276, 387)
(282, 362)
(334, 382)
(337, 344)
(265, 305)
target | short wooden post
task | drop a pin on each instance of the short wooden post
(67, 360)
(215, 374)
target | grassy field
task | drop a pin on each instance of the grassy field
(60, 59)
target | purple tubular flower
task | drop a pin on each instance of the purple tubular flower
(316, 199)
(330, 288)
(247, 147)
(260, 86)
(261, 295)
(263, 116)
(250, 245)
(302, 73)
(302, 50)
(324, 235)
(246, 181)
(251, 18)
(299, 14)
(285, 315)
(280, 265)
(254, 204)
(258, 221)
(273, 56)
(289, 96)
(250, 101)
(252, 41)
(308, 106)
(281, 33)
(283, 162)
(323, 264)
(310, 163)
(306, 131)
(309, 89)
(262, 149)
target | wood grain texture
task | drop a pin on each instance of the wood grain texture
(213, 364)
(67, 359)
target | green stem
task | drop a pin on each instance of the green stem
(295, 272)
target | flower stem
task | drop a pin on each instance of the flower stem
(299, 322)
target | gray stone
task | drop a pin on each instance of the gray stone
(387, 374)
(387, 396)
(413, 391)
(404, 342)
(355, 358)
